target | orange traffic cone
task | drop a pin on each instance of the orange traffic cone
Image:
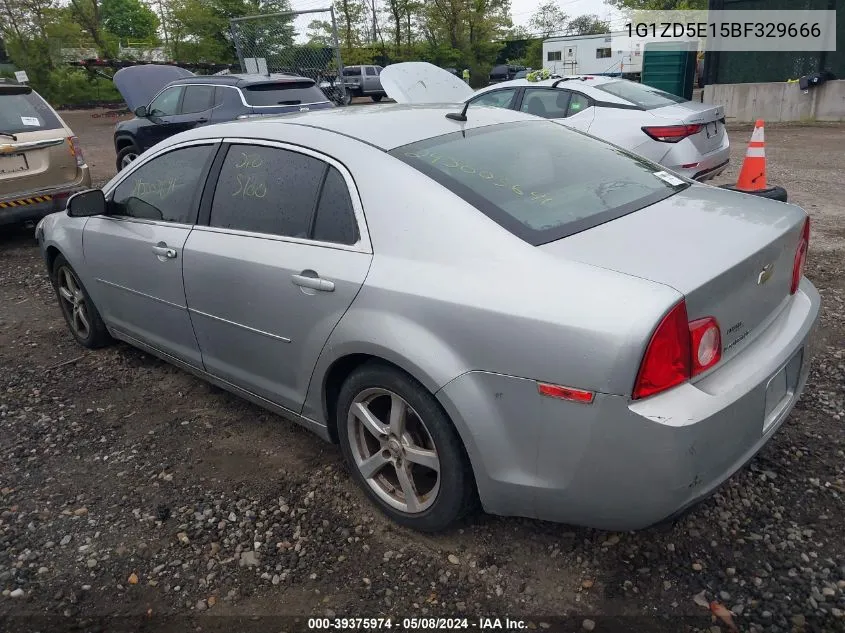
(752, 175)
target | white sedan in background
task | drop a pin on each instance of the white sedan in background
(686, 137)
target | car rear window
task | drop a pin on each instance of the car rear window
(28, 112)
(646, 97)
(538, 179)
(287, 93)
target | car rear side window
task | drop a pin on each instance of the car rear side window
(283, 93)
(548, 103)
(197, 99)
(167, 188)
(646, 97)
(22, 110)
(352, 71)
(267, 190)
(335, 220)
(539, 180)
(371, 71)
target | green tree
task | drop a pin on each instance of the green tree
(548, 19)
(129, 19)
(657, 5)
(587, 25)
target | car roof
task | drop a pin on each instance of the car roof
(386, 127)
(239, 79)
(586, 84)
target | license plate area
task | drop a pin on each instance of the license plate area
(712, 129)
(781, 389)
(13, 163)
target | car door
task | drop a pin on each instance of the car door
(371, 81)
(195, 110)
(161, 117)
(135, 253)
(281, 256)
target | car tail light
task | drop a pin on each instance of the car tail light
(667, 358)
(678, 350)
(76, 150)
(706, 344)
(800, 257)
(565, 393)
(672, 133)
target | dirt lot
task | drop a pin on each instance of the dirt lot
(131, 490)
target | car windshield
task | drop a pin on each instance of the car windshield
(646, 97)
(540, 180)
(28, 112)
(286, 93)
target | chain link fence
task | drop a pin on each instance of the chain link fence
(300, 43)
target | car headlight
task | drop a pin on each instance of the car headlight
(39, 229)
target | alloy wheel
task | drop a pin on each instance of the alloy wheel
(127, 159)
(73, 300)
(393, 450)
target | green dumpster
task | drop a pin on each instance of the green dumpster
(668, 67)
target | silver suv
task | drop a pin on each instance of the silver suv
(363, 81)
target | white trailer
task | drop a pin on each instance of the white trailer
(608, 53)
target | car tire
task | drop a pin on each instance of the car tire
(347, 98)
(386, 459)
(126, 156)
(376, 98)
(82, 317)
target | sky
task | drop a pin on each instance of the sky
(521, 10)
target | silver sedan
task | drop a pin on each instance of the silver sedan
(497, 308)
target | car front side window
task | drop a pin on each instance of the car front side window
(495, 98)
(167, 188)
(167, 103)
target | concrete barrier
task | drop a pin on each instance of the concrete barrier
(779, 102)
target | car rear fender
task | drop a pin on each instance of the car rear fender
(387, 336)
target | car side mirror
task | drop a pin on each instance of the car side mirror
(86, 203)
(141, 112)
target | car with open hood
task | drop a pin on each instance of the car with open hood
(687, 137)
(167, 100)
(41, 160)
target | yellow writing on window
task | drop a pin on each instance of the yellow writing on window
(160, 189)
(249, 187)
(501, 181)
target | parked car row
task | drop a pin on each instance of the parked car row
(527, 316)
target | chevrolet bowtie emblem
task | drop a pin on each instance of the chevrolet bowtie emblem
(765, 274)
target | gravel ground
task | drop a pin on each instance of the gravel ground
(131, 490)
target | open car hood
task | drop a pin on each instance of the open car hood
(139, 84)
(421, 82)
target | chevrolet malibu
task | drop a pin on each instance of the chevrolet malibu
(523, 315)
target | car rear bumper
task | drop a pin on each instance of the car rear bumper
(31, 206)
(623, 465)
(685, 159)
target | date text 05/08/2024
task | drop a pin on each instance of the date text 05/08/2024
(416, 624)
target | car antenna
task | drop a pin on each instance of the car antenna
(459, 116)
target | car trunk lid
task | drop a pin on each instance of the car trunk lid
(731, 255)
(36, 161)
(710, 117)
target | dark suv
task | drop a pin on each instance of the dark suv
(167, 100)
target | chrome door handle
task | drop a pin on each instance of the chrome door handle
(315, 283)
(162, 250)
